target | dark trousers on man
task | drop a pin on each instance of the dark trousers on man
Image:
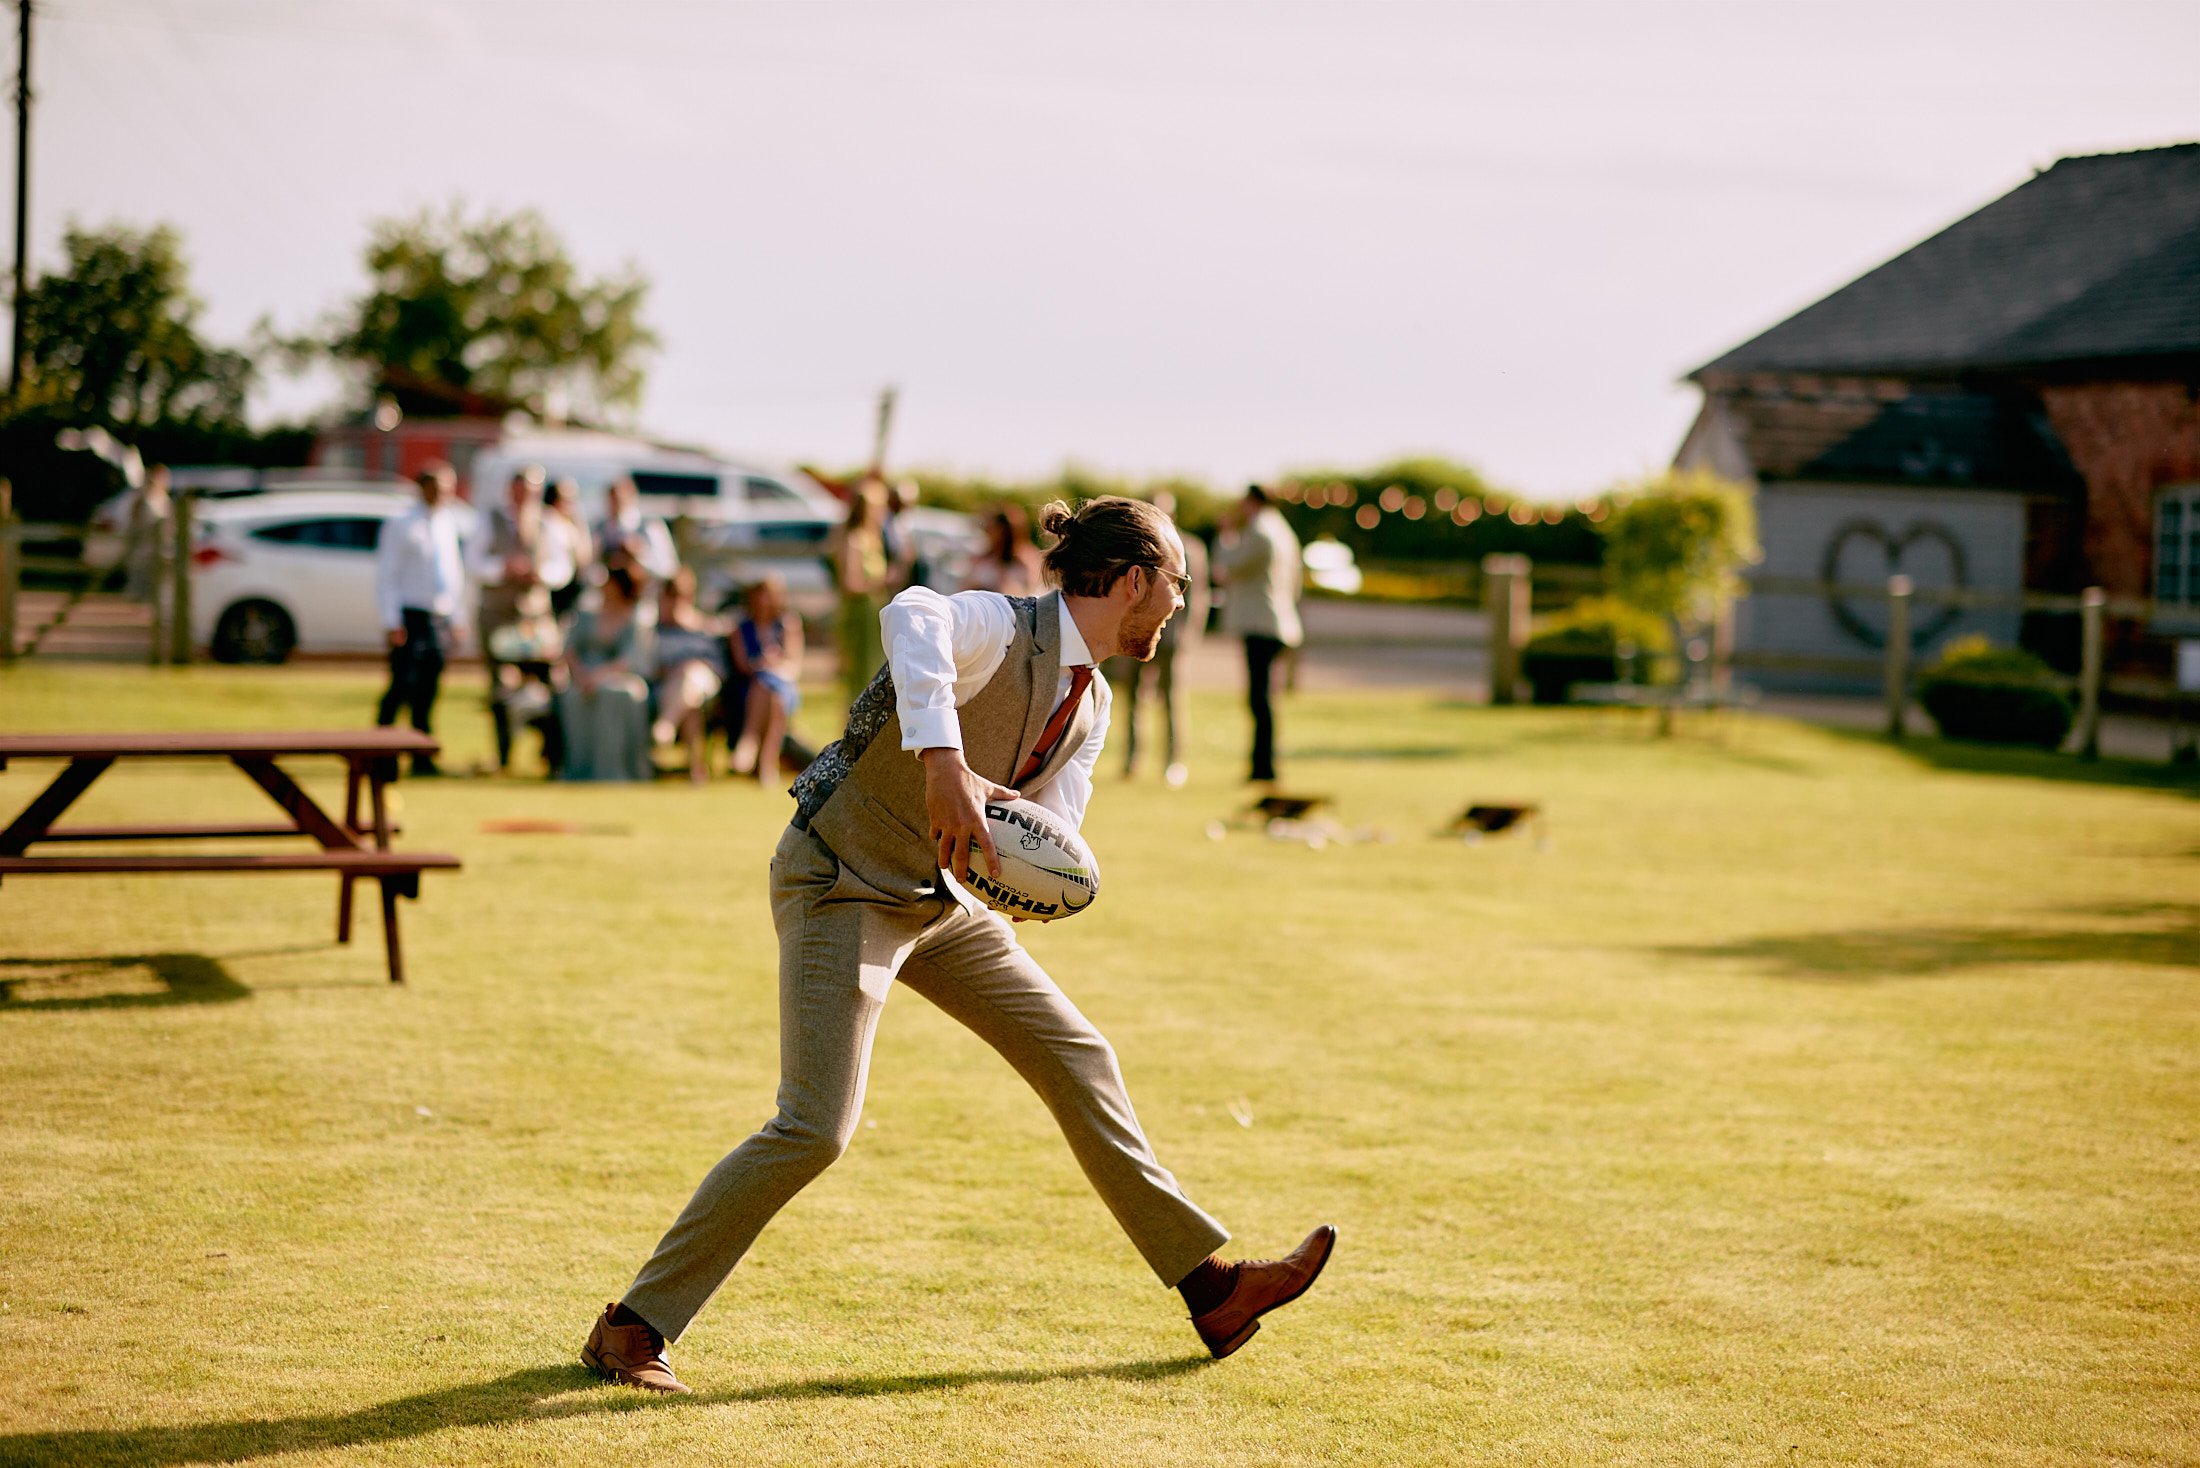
(1260, 665)
(416, 671)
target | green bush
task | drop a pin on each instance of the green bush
(1597, 640)
(1994, 695)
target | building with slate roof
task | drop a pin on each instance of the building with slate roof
(2013, 404)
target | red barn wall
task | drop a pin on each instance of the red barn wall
(2128, 439)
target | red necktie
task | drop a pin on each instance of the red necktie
(1080, 678)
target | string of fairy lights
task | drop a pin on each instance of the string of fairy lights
(1460, 507)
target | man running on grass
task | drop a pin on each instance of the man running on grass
(983, 697)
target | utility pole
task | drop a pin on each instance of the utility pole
(22, 186)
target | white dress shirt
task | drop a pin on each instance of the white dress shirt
(417, 564)
(943, 650)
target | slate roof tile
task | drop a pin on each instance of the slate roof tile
(2097, 257)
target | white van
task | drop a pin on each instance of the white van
(671, 482)
(743, 519)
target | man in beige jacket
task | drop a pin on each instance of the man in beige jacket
(1259, 562)
(983, 697)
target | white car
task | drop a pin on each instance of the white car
(106, 537)
(290, 571)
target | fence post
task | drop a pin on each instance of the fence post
(179, 599)
(1898, 654)
(8, 574)
(2091, 607)
(157, 575)
(1505, 595)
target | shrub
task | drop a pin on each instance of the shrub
(1597, 640)
(1994, 695)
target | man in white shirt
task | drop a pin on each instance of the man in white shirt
(419, 576)
(642, 537)
(983, 697)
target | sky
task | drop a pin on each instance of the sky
(1223, 240)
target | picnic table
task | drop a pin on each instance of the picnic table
(348, 848)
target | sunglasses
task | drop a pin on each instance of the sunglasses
(1183, 582)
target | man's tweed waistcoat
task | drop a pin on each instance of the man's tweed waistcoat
(863, 796)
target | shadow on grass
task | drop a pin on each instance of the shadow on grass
(1383, 751)
(184, 978)
(2171, 940)
(538, 1394)
(2031, 764)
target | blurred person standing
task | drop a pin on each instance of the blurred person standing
(643, 538)
(1258, 559)
(150, 510)
(905, 566)
(862, 571)
(603, 710)
(691, 664)
(561, 515)
(519, 554)
(1129, 676)
(419, 578)
(1009, 563)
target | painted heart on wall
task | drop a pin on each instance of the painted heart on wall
(1865, 551)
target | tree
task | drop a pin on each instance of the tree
(1674, 547)
(491, 308)
(112, 341)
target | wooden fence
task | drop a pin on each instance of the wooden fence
(1507, 597)
(164, 545)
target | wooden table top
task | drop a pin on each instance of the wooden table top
(347, 742)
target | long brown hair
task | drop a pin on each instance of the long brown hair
(1100, 540)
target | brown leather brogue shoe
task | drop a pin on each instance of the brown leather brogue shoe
(631, 1354)
(1262, 1285)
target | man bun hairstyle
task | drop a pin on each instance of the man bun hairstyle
(1100, 540)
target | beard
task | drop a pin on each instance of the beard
(1143, 642)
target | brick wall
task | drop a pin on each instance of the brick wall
(2128, 439)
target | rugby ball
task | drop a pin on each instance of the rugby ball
(1047, 870)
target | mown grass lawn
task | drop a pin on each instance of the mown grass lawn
(1806, 1101)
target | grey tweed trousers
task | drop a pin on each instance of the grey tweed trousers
(842, 945)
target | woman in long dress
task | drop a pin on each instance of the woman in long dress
(863, 571)
(604, 708)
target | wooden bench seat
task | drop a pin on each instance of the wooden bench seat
(398, 873)
(357, 863)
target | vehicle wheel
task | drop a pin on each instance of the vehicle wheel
(254, 632)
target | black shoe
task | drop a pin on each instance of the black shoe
(425, 768)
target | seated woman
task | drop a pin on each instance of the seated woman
(528, 651)
(604, 707)
(767, 652)
(691, 668)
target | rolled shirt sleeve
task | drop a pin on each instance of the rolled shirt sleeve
(934, 642)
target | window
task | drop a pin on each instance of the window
(2177, 546)
(651, 481)
(345, 533)
(763, 491)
